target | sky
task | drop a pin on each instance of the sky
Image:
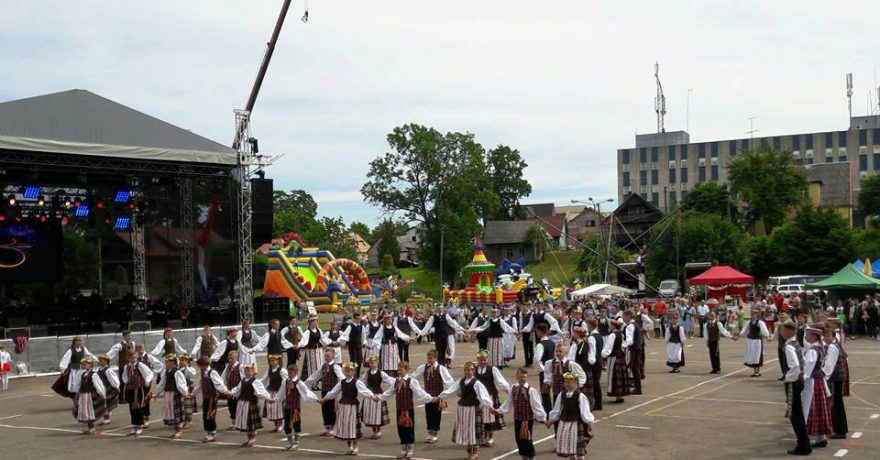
(567, 83)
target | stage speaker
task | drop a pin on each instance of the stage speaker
(262, 215)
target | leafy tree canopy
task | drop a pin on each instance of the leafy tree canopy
(768, 184)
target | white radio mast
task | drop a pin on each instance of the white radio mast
(659, 100)
(849, 92)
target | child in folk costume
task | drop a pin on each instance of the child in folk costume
(816, 398)
(555, 370)
(211, 385)
(295, 390)
(332, 339)
(525, 401)
(435, 379)
(167, 344)
(618, 383)
(755, 331)
(110, 380)
(232, 375)
(273, 380)
(205, 345)
(173, 387)
(371, 328)
(71, 361)
(633, 344)
(492, 379)
(545, 350)
(508, 340)
(348, 425)
(156, 366)
(496, 328)
(190, 405)
(229, 344)
(310, 345)
(288, 340)
(445, 328)
(5, 368)
(675, 338)
(248, 394)
(597, 344)
(583, 352)
(833, 369)
(136, 377)
(405, 389)
(713, 330)
(468, 429)
(572, 411)
(329, 374)
(375, 413)
(88, 402)
(355, 335)
(386, 342)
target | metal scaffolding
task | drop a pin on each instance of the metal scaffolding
(187, 279)
(244, 289)
(140, 266)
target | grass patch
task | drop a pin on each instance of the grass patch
(559, 267)
(425, 281)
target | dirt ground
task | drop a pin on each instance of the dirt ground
(691, 415)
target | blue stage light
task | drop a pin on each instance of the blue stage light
(82, 210)
(31, 192)
(122, 196)
(122, 223)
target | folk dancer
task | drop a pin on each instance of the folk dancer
(190, 405)
(575, 319)
(634, 345)
(167, 345)
(527, 334)
(157, 367)
(406, 325)
(310, 345)
(542, 316)
(508, 339)
(211, 385)
(249, 339)
(491, 378)
(816, 398)
(496, 327)
(405, 389)
(583, 352)
(445, 328)
(174, 389)
(754, 331)
(329, 374)
(229, 344)
(295, 391)
(713, 331)
(71, 361)
(273, 380)
(545, 350)
(675, 339)
(435, 379)
(479, 320)
(232, 375)
(525, 401)
(375, 413)
(136, 377)
(331, 339)
(615, 356)
(386, 342)
(248, 393)
(354, 337)
(833, 368)
(794, 385)
(275, 342)
(205, 345)
(597, 342)
(88, 404)
(120, 351)
(555, 370)
(840, 338)
(292, 335)
(372, 329)
(348, 425)
(110, 379)
(468, 429)
(575, 421)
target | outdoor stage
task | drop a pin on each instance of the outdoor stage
(690, 415)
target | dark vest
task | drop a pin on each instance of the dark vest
(839, 372)
(374, 381)
(102, 373)
(292, 397)
(169, 347)
(617, 348)
(76, 358)
(798, 351)
(274, 346)
(600, 344)
(170, 383)
(274, 380)
(754, 330)
(712, 331)
(403, 395)
(355, 335)
(372, 329)
(292, 335)
(674, 335)
(230, 346)
(125, 352)
(604, 327)
(468, 394)
(495, 328)
(433, 380)
(247, 338)
(334, 338)
(522, 407)
(247, 391)
(403, 324)
(389, 335)
(800, 335)
(549, 350)
(820, 360)
(571, 409)
(582, 355)
(487, 378)
(637, 342)
(314, 338)
(206, 349)
(441, 328)
(482, 320)
(349, 392)
(208, 390)
(86, 385)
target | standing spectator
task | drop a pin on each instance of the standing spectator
(702, 311)
(872, 319)
(660, 313)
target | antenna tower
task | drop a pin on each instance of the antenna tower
(659, 100)
(849, 92)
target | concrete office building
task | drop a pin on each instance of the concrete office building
(664, 166)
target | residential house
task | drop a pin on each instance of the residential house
(583, 226)
(409, 248)
(362, 248)
(631, 222)
(556, 228)
(540, 209)
(507, 239)
(831, 187)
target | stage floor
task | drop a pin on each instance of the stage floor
(690, 415)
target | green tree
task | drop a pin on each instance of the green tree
(758, 258)
(536, 238)
(815, 241)
(363, 230)
(591, 264)
(867, 243)
(710, 198)
(768, 183)
(387, 263)
(294, 211)
(505, 169)
(696, 237)
(869, 196)
(331, 234)
(386, 233)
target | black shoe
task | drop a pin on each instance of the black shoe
(823, 443)
(799, 451)
(838, 436)
(617, 401)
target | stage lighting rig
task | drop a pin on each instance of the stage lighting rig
(31, 192)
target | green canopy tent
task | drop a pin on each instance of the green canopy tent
(849, 278)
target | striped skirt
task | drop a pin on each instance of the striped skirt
(388, 357)
(375, 413)
(275, 410)
(112, 400)
(172, 408)
(819, 420)
(468, 429)
(587, 389)
(571, 439)
(495, 347)
(618, 381)
(247, 417)
(492, 422)
(312, 361)
(88, 407)
(348, 425)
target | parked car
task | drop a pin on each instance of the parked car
(668, 288)
(788, 290)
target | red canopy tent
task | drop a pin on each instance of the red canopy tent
(722, 281)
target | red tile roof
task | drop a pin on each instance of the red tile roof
(552, 224)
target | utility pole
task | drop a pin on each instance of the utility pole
(751, 132)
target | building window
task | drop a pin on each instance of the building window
(863, 137)
(683, 151)
(841, 139)
(701, 150)
(796, 155)
(795, 142)
(684, 176)
(684, 187)
(655, 176)
(654, 166)
(877, 162)
(625, 155)
(522, 251)
(731, 148)
(655, 188)
(863, 150)
(643, 177)
(714, 161)
(714, 173)
(643, 167)
(702, 162)
(626, 168)
(655, 199)
(841, 153)
(643, 189)
(809, 141)
(863, 163)
(671, 176)
(743, 145)
(625, 178)
(702, 174)
(589, 223)
(877, 148)
(829, 139)
(509, 253)
(714, 148)
(829, 155)
(808, 154)
(644, 196)
(672, 164)
(627, 191)
(671, 152)
(653, 153)
(643, 155)
(684, 195)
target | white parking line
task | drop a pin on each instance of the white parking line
(841, 452)
(874, 416)
(9, 417)
(633, 427)
(856, 435)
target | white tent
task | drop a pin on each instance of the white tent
(601, 289)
